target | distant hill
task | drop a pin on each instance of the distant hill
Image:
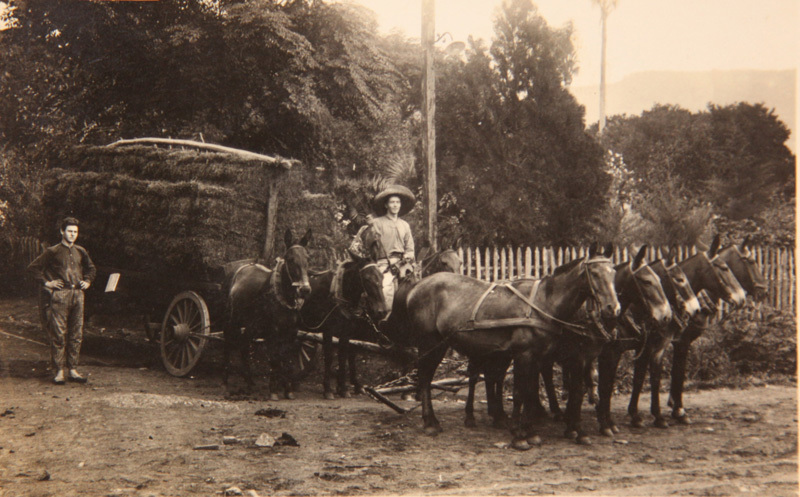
(694, 90)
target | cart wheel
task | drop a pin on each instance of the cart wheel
(306, 357)
(181, 341)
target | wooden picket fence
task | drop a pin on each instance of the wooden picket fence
(777, 264)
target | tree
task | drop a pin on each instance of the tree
(515, 161)
(303, 78)
(727, 161)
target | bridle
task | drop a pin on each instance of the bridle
(296, 284)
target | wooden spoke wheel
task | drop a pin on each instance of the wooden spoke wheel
(183, 333)
(306, 357)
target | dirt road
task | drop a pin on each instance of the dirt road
(135, 430)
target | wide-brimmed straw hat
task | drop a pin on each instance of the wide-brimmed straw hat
(407, 200)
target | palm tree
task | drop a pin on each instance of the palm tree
(606, 6)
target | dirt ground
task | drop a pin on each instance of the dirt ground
(134, 430)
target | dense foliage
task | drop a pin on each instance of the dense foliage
(727, 163)
(515, 162)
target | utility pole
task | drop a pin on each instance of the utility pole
(604, 16)
(428, 113)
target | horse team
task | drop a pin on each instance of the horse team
(585, 311)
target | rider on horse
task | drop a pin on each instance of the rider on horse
(394, 234)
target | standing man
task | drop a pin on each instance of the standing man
(394, 234)
(65, 270)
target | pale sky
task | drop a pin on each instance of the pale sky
(643, 35)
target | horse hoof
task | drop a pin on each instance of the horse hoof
(583, 440)
(683, 420)
(289, 396)
(432, 431)
(607, 432)
(661, 423)
(615, 429)
(534, 440)
(500, 424)
(408, 396)
(344, 394)
(521, 445)
(329, 396)
(637, 423)
(571, 434)
(274, 397)
(358, 390)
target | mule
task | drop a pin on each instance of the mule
(264, 303)
(728, 288)
(437, 317)
(344, 303)
(650, 339)
(642, 296)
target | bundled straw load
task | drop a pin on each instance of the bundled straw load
(171, 212)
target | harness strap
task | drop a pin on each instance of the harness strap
(541, 311)
(480, 301)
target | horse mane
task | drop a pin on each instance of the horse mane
(567, 267)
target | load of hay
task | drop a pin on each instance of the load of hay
(173, 212)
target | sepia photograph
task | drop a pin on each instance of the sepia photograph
(398, 247)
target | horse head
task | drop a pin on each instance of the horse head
(598, 283)
(742, 262)
(707, 271)
(638, 284)
(294, 277)
(677, 289)
(445, 261)
(363, 278)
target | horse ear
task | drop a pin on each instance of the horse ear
(306, 238)
(637, 261)
(744, 243)
(671, 255)
(457, 242)
(609, 250)
(423, 253)
(287, 237)
(593, 248)
(714, 246)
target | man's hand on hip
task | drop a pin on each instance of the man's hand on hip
(54, 284)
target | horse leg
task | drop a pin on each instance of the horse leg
(550, 389)
(576, 387)
(590, 372)
(494, 376)
(655, 387)
(428, 362)
(358, 388)
(473, 372)
(607, 368)
(288, 370)
(327, 350)
(341, 374)
(639, 372)
(679, 358)
(525, 371)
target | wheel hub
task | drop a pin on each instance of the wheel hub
(181, 332)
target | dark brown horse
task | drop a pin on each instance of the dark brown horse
(264, 304)
(746, 273)
(345, 303)
(521, 319)
(641, 296)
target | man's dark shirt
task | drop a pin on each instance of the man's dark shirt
(68, 264)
